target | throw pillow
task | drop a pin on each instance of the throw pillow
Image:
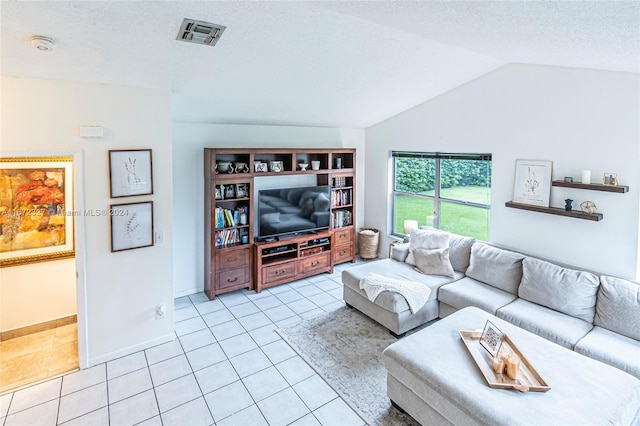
(426, 239)
(618, 307)
(433, 262)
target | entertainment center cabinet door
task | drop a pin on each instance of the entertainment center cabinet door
(275, 274)
(343, 250)
(315, 263)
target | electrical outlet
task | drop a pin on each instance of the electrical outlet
(159, 311)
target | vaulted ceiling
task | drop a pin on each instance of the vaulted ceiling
(337, 64)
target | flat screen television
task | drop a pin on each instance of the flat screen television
(293, 210)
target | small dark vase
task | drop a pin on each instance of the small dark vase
(567, 205)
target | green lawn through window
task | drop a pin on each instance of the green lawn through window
(457, 218)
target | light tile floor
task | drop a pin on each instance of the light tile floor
(227, 366)
(35, 357)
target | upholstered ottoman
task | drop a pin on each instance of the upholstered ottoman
(431, 375)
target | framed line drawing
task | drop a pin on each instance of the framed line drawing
(131, 226)
(130, 172)
(532, 182)
(36, 209)
(491, 338)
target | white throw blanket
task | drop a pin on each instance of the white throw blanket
(415, 293)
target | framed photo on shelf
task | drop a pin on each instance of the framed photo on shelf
(491, 338)
(36, 209)
(131, 226)
(229, 192)
(610, 179)
(218, 194)
(241, 190)
(276, 166)
(260, 166)
(532, 182)
(130, 172)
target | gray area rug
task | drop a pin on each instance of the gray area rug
(345, 348)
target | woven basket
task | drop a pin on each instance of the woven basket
(368, 244)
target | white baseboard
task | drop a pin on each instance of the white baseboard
(187, 292)
(131, 349)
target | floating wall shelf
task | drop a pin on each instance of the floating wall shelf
(591, 186)
(555, 211)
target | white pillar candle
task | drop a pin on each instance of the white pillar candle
(586, 176)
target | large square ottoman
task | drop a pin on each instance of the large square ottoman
(431, 375)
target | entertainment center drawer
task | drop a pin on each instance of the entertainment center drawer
(315, 262)
(233, 278)
(275, 273)
(342, 253)
(342, 237)
(227, 259)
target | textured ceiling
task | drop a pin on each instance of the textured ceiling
(339, 64)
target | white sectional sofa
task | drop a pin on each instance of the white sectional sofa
(595, 315)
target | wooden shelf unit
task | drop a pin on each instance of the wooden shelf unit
(556, 211)
(621, 189)
(231, 264)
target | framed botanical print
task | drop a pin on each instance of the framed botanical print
(131, 226)
(130, 172)
(36, 209)
(532, 182)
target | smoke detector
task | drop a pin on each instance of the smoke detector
(42, 43)
(200, 32)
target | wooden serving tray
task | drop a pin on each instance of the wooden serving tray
(528, 378)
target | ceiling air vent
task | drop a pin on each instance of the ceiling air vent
(200, 32)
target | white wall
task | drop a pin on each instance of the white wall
(122, 289)
(189, 141)
(579, 119)
(32, 294)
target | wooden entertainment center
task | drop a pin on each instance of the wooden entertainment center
(233, 258)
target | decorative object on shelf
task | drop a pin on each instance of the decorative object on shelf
(588, 207)
(130, 172)
(224, 167)
(408, 226)
(131, 226)
(315, 165)
(303, 166)
(241, 190)
(586, 176)
(259, 166)
(568, 179)
(610, 179)
(532, 182)
(229, 191)
(491, 338)
(567, 204)
(36, 209)
(219, 192)
(240, 167)
(337, 162)
(276, 166)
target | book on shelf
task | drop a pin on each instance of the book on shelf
(340, 218)
(341, 197)
(339, 181)
(225, 218)
(228, 237)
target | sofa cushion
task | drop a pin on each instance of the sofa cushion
(460, 251)
(499, 268)
(618, 306)
(565, 290)
(428, 239)
(400, 252)
(433, 262)
(389, 300)
(562, 329)
(469, 292)
(611, 348)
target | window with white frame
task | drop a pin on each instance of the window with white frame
(451, 192)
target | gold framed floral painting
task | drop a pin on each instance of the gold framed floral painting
(36, 209)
